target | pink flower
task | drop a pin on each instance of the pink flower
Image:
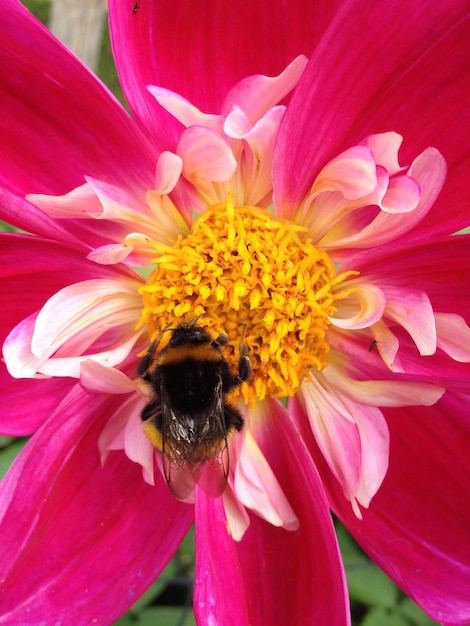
(283, 210)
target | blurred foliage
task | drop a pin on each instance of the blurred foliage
(375, 599)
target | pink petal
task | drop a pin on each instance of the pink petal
(440, 269)
(31, 270)
(80, 539)
(204, 48)
(40, 268)
(238, 519)
(53, 110)
(437, 370)
(81, 233)
(205, 155)
(387, 345)
(17, 419)
(301, 572)
(413, 528)
(360, 81)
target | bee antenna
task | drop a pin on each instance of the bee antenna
(196, 319)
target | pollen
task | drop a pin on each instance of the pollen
(257, 279)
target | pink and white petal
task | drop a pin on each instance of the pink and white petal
(115, 202)
(256, 487)
(413, 528)
(382, 393)
(78, 203)
(17, 354)
(428, 171)
(402, 196)
(353, 438)
(302, 573)
(258, 148)
(385, 148)
(453, 336)
(205, 155)
(100, 378)
(255, 95)
(222, 42)
(237, 124)
(352, 173)
(82, 314)
(111, 254)
(413, 311)
(387, 345)
(39, 83)
(366, 362)
(237, 516)
(168, 170)
(361, 308)
(119, 350)
(70, 525)
(19, 212)
(185, 112)
(136, 445)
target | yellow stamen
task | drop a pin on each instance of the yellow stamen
(249, 274)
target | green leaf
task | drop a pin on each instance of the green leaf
(384, 617)
(6, 441)
(351, 552)
(415, 614)
(370, 586)
(8, 454)
(161, 616)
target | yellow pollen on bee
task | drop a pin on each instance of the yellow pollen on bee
(254, 277)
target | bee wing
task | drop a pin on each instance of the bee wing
(190, 460)
(211, 475)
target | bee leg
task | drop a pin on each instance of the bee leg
(146, 361)
(221, 340)
(152, 411)
(244, 365)
(233, 418)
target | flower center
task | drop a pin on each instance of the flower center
(254, 278)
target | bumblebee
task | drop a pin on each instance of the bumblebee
(189, 416)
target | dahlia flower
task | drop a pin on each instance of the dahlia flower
(291, 174)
